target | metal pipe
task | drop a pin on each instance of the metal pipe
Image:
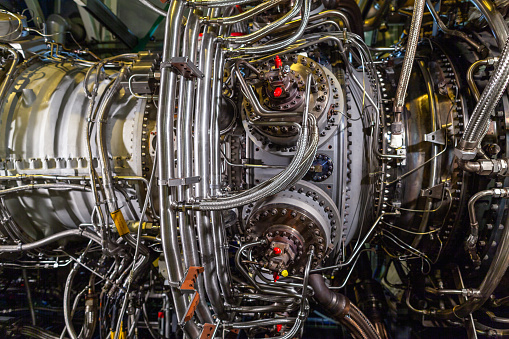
(264, 31)
(165, 155)
(184, 161)
(202, 152)
(331, 13)
(471, 71)
(231, 20)
(277, 46)
(219, 237)
(107, 176)
(29, 297)
(48, 240)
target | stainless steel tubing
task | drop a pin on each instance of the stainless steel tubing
(166, 157)
(411, 47)
(266, 30)
(50, 239)
(107, 176)
(153, 7)
(470, 77)
(184, 161)
(231, 20)
(277, 46)
(219, 237)
(202, 152)
(67, 302)
(44, 187)
(332, 13)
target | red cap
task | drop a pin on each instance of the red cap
(276, 276)
(277, 250)
(278, 62)
(160, 315)
(279, 327)
(278, 91)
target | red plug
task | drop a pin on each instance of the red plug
(276, 276)
(278, 91)
(279, 327)
(277, 250)
(278, 62)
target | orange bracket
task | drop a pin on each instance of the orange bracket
(190, 280)
(191, 308)
(208, 331)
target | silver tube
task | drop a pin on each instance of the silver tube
(153, 7)
(202, 152)
(231, 20)
(219, 238)
(287, 42)
(413, 39)
(184, 161)
(264, 31)
(165, 155)
(48, 240)
(107, 176)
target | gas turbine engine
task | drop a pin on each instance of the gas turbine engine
(265, 159)
(262, 160)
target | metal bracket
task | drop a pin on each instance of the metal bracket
(184, 66)
(183, 181)
(192, 274)
(436, 192)
(191, 308)
(179, 181)
(209, 331)
(437, 137)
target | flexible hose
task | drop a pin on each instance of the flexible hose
(270, 48)
(411, 47)
(264, 31)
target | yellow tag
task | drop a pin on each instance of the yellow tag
(156, 262)
(284, 273)
(118, 219)
(112, 335)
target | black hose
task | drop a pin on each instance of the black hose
(341, 309)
